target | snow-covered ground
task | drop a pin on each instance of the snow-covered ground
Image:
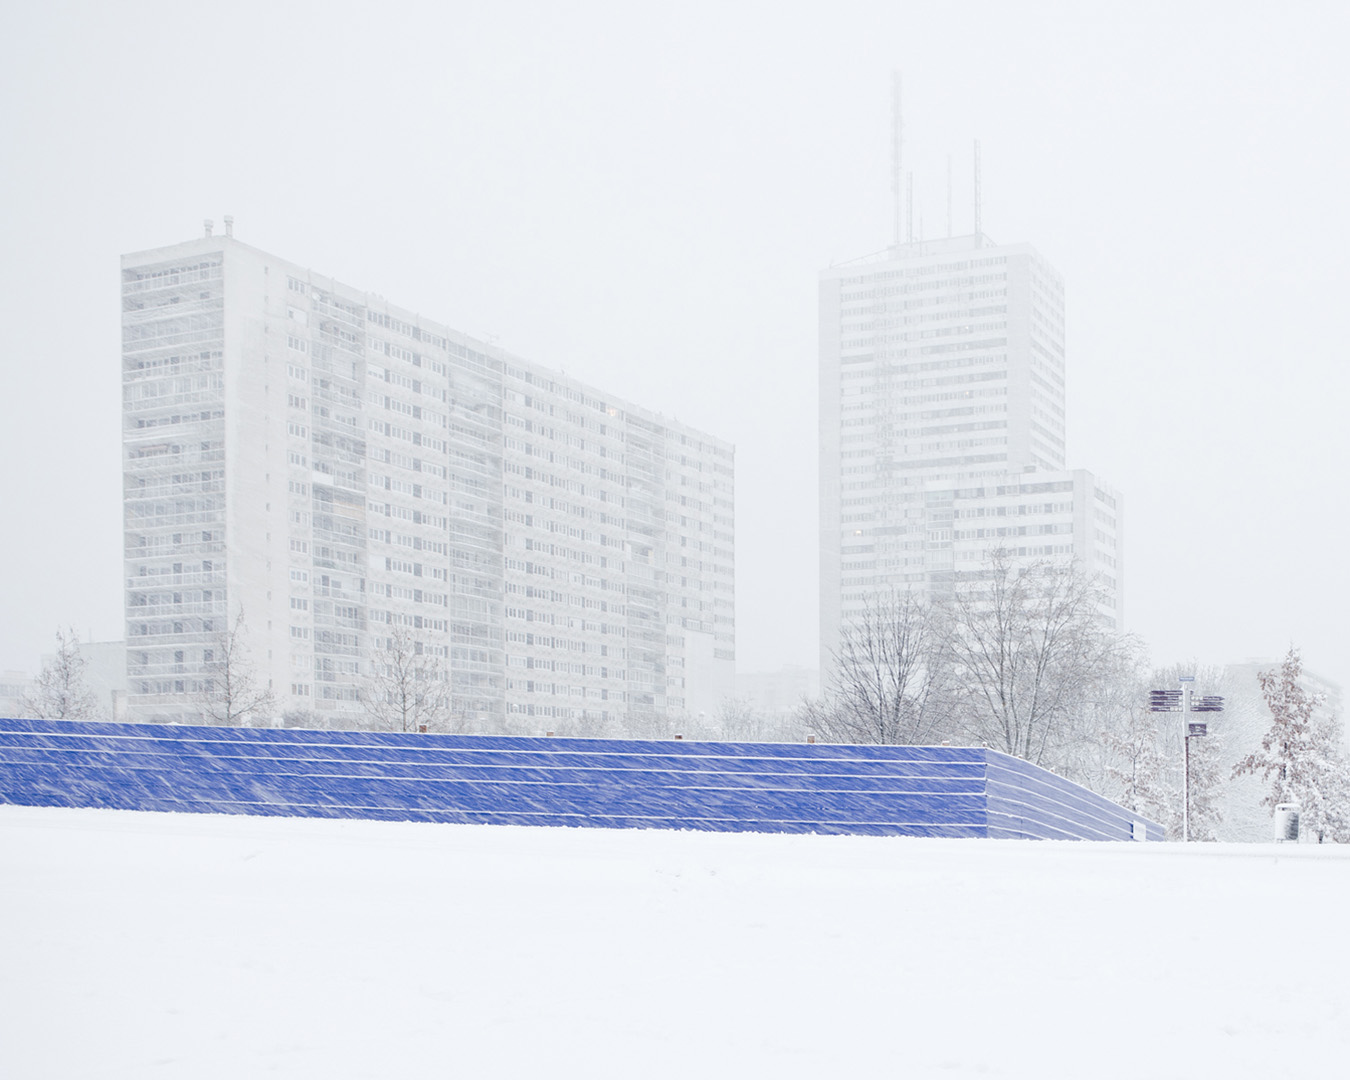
(160, 945)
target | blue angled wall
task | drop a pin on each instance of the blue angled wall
(474, 779)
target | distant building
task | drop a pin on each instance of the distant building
(942, 427)
(777, 693)
(105, 676)
(1056, 516)
(15, 686)
(336, 468)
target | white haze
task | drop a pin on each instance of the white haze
(643, 195)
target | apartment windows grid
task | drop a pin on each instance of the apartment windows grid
(376, 472)
(942, 371)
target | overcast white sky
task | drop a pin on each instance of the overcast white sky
(643, 195)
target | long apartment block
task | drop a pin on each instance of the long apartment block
(339, 469)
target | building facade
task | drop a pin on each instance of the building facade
(942, 368)
(1034, 516)
(344, 473)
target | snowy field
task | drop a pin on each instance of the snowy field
(160, 945)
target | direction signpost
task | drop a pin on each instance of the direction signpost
(1182, 701)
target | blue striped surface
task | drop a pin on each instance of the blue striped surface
(761, 787)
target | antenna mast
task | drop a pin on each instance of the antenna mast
(978, 241)
(949, 196)
(909, 208)
(897, 138)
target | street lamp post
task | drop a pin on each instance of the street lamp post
(1182, 701)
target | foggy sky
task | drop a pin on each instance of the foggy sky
(643, 196)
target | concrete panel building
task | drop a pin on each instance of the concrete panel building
(942, 373)
(337, 468)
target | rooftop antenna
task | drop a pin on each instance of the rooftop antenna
(909, 208)
(949, 196)
(978, 242)
(897, 138)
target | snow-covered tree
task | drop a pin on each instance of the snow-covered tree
(1206, 793)
(230, 695)
(1090, 751)
(1326, 802)
(1138, 765)
(407, 689)
(60, 693)
(1301, 758)
(737, 720)
(888, 679)
(1030, 653)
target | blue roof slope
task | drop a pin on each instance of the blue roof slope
(773, 787)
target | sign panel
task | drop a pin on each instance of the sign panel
(1164, 700)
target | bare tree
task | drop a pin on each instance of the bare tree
(1105, 727)
(739, 720)
(1301, 757)
(60, 693)
(889, 680)
(230, 696)
(1029, 651)
(407, 688)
